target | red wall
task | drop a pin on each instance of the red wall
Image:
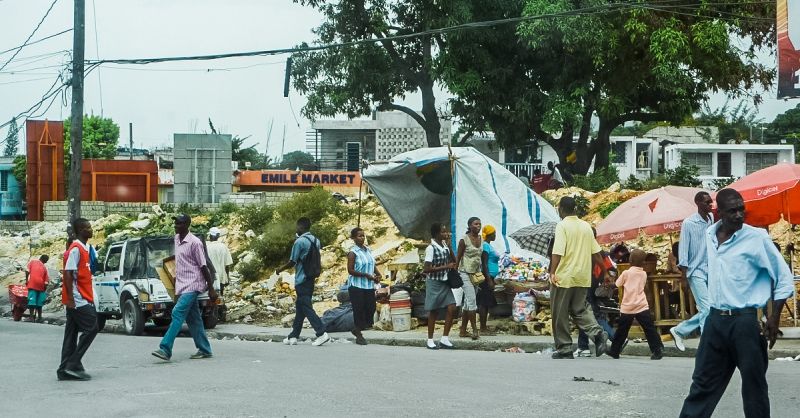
(39, 183)
(115, 185)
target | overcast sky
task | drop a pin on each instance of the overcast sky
(162, 99)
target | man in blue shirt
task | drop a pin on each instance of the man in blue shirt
(745, 270)
(303, 285)
(693, 262)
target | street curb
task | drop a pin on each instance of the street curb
(633, 349)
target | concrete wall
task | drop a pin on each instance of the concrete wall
(202, 168)
(15, 226)
(252, 198)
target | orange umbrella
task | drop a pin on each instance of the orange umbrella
(770, 193)
(656, 212)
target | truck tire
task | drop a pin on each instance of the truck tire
(101, 322)
(210, 318)
(132, 318)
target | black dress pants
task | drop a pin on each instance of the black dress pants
(363, 302)
(729, 342)
(81, 320)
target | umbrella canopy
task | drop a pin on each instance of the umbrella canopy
(535, 238)
(771, 193)
(656, 212)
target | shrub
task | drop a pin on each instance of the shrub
(723, 182)
(598, 180)
(274, 246)
(634, 183)
(681, 176)
(116, 226)
(315, 205)
(251, 270)
(606, 208)
(256, 217)
(379, 231)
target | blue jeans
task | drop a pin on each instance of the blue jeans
(186, 309)
(583, 339)
(304, 309)
(700, 291)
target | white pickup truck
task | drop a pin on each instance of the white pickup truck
(127, 285)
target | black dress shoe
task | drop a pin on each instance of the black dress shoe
(657, 355)
(600, 344)
(77, 374)
(63, 376)
(558, 355)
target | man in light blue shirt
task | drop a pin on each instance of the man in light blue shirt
(693, 262)
(745, 271)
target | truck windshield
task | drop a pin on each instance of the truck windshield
(157, 250)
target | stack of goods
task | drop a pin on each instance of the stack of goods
(523, 275)
(524, 308)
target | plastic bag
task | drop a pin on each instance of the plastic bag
(523, 309)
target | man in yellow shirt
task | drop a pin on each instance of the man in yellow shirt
(574, 250)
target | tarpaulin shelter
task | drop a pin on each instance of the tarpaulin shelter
(450, 185)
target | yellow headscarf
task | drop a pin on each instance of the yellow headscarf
(487, 230)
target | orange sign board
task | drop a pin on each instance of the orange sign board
(290, 178)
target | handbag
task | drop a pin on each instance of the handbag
(454, 279)
(477, 278)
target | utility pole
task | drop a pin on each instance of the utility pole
(130, 133)
(76, 120)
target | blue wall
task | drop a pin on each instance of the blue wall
(11, 196)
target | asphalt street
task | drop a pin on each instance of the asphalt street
(342, 379)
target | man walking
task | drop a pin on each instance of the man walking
(574, 250)
(693, 262)
(77, 295)
(220, 257)
(745, 270)
(305, 260)
(192, 277)
(36, 279)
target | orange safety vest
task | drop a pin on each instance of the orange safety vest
(84, 284)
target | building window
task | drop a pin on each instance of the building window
(619, 152)
(3, 181)
(701, 160)
(724, 164)
(339, 154)
(642, 156)
(757, 160)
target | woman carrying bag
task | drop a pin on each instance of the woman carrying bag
(470, 248)
(438, 293)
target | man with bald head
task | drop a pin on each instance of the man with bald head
(745, 271)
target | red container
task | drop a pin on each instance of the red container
(18, 296)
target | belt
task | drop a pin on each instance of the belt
(734, 312)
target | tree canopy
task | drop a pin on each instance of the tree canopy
(12, 139)
(100, 138)
(298, 159)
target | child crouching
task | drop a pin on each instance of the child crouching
(634, 306)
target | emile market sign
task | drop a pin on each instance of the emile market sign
(290, 178)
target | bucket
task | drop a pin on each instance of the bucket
(400, 300)
(401, 319)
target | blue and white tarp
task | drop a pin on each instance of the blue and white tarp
(450, 185)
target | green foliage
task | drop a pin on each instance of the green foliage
(315, 205)
(606, 208)
(298, 159)
(598, 180)
(681, 176)
(634, 183)
(20, 172)
(734, 123)
(256, 217)
(785, 126)
(273, 247)
(250, 270)
(723, 182)
(581, 205)
(100, 138)
(117, 226)
(379, 231)
(12, 139)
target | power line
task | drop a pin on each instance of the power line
(24, 44)
(36, 41)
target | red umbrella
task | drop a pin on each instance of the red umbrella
(771, 193)
(656, 212)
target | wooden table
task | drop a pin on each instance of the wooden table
(659, 301)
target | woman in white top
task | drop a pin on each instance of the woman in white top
(438, 260)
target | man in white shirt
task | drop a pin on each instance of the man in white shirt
(220, 257)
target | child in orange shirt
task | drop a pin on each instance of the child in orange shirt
(634, 306)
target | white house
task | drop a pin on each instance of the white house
(718, 161)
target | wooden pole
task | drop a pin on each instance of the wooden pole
(76, 120)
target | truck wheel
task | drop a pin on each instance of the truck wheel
(101, 322)
(210, 318)
(132, 317)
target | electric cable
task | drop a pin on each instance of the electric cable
(24, 44)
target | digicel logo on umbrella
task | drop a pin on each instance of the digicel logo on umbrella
(767, 190)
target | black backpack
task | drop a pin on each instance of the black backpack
(312, 264)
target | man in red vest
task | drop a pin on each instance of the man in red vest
(78, 297)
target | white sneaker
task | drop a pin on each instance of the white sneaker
(677, 339)
(290, 341)
(322, 339)
(582, 353)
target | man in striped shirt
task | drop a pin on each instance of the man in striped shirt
(192, 277)
(693, 262)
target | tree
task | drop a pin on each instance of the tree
(298, 159)
(12, 139)
(648, 64)
(735, 124)
(20, 173)
(355, 79)
(785, 126)
(100, 138)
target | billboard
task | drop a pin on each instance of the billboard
(788, 25)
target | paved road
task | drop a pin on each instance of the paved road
(342, 379)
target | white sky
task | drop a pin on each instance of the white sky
(160, 101)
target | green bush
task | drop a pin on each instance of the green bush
(723, 182)
(598, 180)
(251, 271)
(274, 247)
(606, 208)
(315, 205)
(634, 183)
(256, 217)
(117, 226)
(682, 176)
